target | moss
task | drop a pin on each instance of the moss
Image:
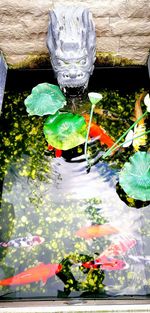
(109, 59)
(33, 61)
(43, 61)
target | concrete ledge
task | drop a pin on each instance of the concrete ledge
(76, 306)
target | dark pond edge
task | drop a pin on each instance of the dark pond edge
(125, 77)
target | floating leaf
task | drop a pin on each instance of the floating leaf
(134, 178)
(65, 130)
(44, 99)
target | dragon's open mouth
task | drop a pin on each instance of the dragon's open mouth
(73, 91)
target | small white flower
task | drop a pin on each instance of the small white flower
(147, 102)
(94, 97)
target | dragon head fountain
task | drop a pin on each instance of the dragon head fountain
(71, 43)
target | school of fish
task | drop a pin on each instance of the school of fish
(106, 260)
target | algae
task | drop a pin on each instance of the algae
(43, 61)
(33, 62)
(111, 59)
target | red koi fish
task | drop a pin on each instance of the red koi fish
(58, 153)
(98, 131)
(119, 248)
(104, 263)
(40, 272)
(95, 231)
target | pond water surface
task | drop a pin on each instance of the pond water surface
(56, 200)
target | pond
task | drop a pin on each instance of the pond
(66, 232)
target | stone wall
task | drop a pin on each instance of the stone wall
(122, 29)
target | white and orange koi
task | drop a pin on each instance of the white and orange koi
(23, 242)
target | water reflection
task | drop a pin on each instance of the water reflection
(55, 205)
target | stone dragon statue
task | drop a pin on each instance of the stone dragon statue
(71, 43)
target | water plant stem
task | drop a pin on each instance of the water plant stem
(100, 155)
(142, 134)
(87, 135)
(115, 146)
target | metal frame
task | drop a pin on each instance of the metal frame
(3, 75)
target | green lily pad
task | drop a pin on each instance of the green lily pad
(45, 99)
(65, 130)
(134, 178)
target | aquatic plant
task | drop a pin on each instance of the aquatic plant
(134, 178)
(44, 99)
(94, 99)
(65, 130)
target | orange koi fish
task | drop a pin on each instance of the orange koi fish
(95, 231)
(40, 272)
(137, 110)
(98, 131)
(58, 153)
(109, 264)
(139, 128)
(119, 248)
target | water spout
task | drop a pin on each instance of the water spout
(71, 43)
